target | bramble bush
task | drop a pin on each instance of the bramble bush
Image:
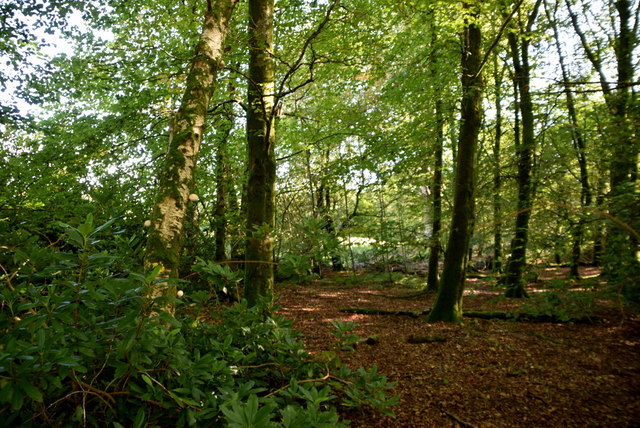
(84, 346)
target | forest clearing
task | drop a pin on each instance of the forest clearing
(483, 373)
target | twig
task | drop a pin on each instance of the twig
(258, 366)
(320, 379)
(172, 395)
(456, 418)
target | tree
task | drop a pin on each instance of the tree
(436, 226)
(448, 305)
(623, 202)
(223, 178)
(435, 245)
(497, 176)
(176, 182)
(261, 162)
(579, 145)
(525, 152)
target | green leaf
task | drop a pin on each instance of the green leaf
(33, 392)
(17, 401)
(103, 226)
(139, 421)
(75, 237)
(154, 273)
(146, 379)
(169, 319)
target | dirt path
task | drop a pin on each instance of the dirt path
(486, 373)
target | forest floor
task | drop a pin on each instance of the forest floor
(486, 373)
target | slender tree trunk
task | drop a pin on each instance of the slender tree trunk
(600, 236)
(222, 190)
(324, 208)
(176, 181)
(259, 274)
(435, 245)
(448, 305)
(525, 151)
(497, 176)
(235, 228)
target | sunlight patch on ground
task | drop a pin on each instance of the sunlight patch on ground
(346, 318)
(327, 294)
(472, 292)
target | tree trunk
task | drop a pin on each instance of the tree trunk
(324, 209)
(497, 176)
(525, 151)
(261, 155)
(222, 190)
(448, 305)
(176, 181)
(435, 245)
(578, 144)
(622, 250)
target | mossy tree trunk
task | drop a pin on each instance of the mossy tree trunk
(524, 152)
(259, 274)
(448, 305)
(176, 181)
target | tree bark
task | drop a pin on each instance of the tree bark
(448, 305)
(176, 181)
(434, 253)
(259, 273)
(524, 151)
(497, 176)
(222, 189)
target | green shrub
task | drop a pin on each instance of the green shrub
(563, 305)
(223, 282)
(84, 347)
(296, 268)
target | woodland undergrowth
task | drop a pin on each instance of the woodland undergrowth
(81, 345)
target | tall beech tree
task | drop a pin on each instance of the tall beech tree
(578, 139)
(176, 181)
(448, 305)
(261, 139)
(436, 225)
(435, 244)
(497, 175)
(524, 152)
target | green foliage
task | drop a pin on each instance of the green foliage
(295, 267)
(344, 332)
(223, 282)
(561, 303)
(306, 245)
(83, 345)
